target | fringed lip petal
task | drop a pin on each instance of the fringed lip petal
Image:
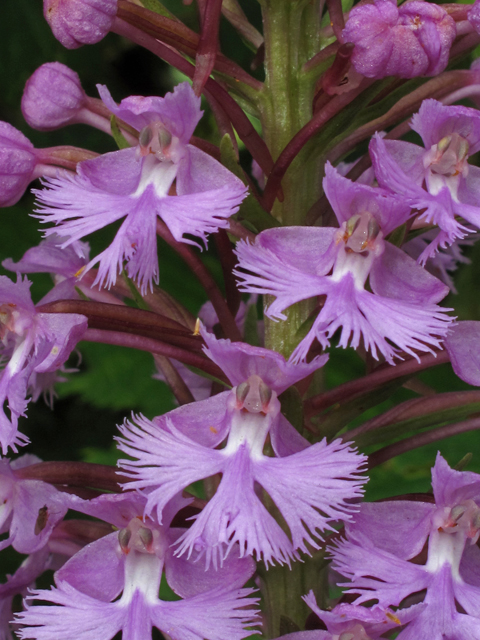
(331, 471)
(272, 274)
(236, 517)
(166, 459)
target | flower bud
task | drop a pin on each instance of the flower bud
(17, 164)
(474, 16)
(77, 22)
(52, 97)
(407, 41)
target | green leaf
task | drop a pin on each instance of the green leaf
(118, 135)
(464, 462)
(136, 295)
(414, 425)
(157, 7)
(344, 412)
(397, 237)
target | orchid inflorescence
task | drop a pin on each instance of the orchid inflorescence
(341, 220)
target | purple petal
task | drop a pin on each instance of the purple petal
(463, 346)
(204, 422)
(213, 615)
(178, 111)
(201, 213)
(66, 330)
(167, 461)
(377, 320)
(53, 97)
(236, 516)
(189, 578)
(376, 574)
(72, 614)
(199, 172)
(313, 488)
(49, 257)
(17, 164)
(350, 198)
(451, 487)
(239, 361)
(435, 121)
(285, 439)
(396, 275)
(272, 274)
(78, 22)
(33, 498)
(97, 570)
(400, 527)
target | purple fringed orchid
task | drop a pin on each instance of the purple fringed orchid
(130, 562)
(20, 163)
(436, 180)
(312, 486)
(29, 509)
(352, 622)
(135, 184)
(30, 342)
(296, 263)
(386, 535)
(411, 40)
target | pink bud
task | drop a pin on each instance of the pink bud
(77, 22)
(53, 97)
(17, 164)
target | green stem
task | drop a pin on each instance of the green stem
(286, 106)
(281, 587)
(291, 30)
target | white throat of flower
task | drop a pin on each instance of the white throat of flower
(445, 164)
(253, 407)
(144, 549)
(161, 153)
(355, 633)
(359, 241)
(452, 529)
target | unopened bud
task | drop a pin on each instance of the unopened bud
(17, 164)
(52, 97)
(78, 22)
